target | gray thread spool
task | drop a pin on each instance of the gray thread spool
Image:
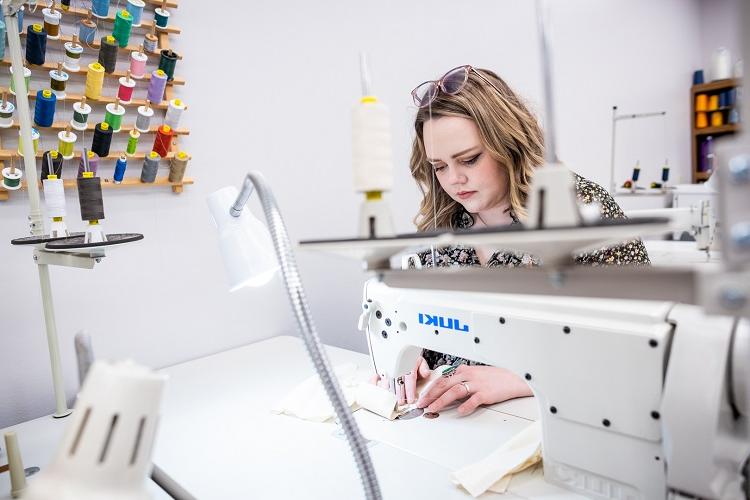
(108, 53)
(177, 167)
(150, 166)
(90, 198)
(73, 53)
(143, 121)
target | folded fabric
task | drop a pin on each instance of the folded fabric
(496, 470)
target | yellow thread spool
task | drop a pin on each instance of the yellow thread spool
(94, 80)
(701, 102)
(713, 102)
(701, 120)
(34, 139)
(717, 119)
(66, 141)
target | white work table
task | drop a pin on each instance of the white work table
(219, 439)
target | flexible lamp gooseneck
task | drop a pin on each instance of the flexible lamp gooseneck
(247, 254)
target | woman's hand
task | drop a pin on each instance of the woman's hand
(407, 392)
(482, 385)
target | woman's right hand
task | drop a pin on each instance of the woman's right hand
(407, 392)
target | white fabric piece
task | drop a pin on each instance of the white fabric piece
(377, 400)
(495, 471)
(309, 400)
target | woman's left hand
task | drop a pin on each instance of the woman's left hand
(482, 385)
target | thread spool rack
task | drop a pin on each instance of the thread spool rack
(75, 89)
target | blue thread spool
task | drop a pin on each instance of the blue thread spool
(161, 18)
(44, 111)
(698, 77)
(36, 44)
(87, 31)
(120, 166)
(135, 8)
(100, 8)
(2, 39)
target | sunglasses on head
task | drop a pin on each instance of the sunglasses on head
(450, 83)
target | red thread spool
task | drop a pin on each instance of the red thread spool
(163, 140)
(125, 93)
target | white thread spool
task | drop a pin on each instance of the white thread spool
(174, 112)
(68, 138)
(143, 122)
(52, 18)
(72, 59)
(371, 147)
(721, 64)
(7, 109)
(81, 113)
(54, 197)
(137, 64)
(59, 76)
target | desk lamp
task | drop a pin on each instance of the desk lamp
(246, 247)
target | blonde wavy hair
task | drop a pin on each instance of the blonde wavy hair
(508, 130)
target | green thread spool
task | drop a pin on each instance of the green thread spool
(34, 139)
(65, 143)
(132, 142)
(114, 115)
(167, 63)
(26, 76)
(11, 178)
(123, 24)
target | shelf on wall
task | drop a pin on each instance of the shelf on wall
(71, 98)
(128, 182)
(722, 129)
(62, 125)
(158, 3)
(146, 25)
(716, 85)
(7, 154)
(130, 48)
(46, 67)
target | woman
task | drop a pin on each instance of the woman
(473, 157)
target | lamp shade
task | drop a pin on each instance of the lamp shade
(244, 241)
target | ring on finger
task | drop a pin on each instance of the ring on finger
(466, 386)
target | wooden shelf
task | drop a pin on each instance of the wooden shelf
(717, 85)
(146, 25)
(7, 154)
(95, 45)
(47, 67)
(723, 129)
(71, 98)
(61, 125)
(158, 3)
(127, 183)
(702, 176)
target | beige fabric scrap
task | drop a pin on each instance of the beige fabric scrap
(496, 470)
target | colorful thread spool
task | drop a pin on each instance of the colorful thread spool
(52, 23)
(135, 8)
(7, 109)
(163, 140)
(2, 37)
(717, 119)
(701, 102)
(123, 25)
(26, 77)
(54, 160)
(44, 110)
(125, 92)
(87, 31)
(701, 120)
(93, 164)
(34, 141)
(58, 81)
(167, 63)
(137, 64)
(108, 53)
(156, 86)
(102, 140)
(72, 59)
(54, 197)
(143, 122)
(177, 167)
(713, 102)
(150, 42)
(120, 166)
(65, 143)
(161, 18)
(36, 44)
(81, 112)
(65, 5)
(94, 80)
(132, 142)
(174, 112)
(100, 8)
(90, 198)
(150, 167)
(113, 116)
(12, 178)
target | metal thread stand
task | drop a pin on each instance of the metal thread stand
(616, 118)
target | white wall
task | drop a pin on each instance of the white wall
(287, 75)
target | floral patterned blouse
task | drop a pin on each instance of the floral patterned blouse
(630, 252)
